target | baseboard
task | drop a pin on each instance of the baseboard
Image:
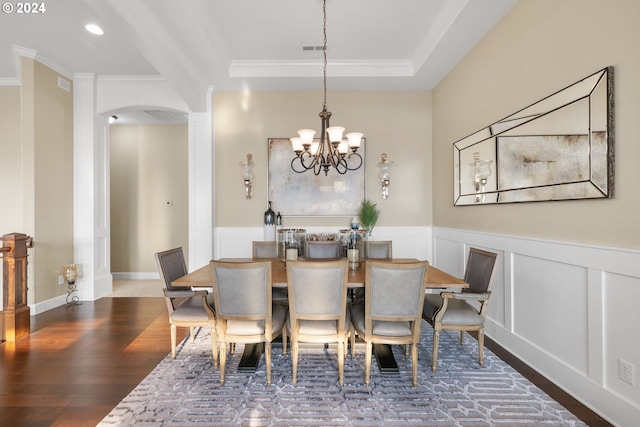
(136, 276)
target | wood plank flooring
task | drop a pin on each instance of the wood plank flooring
(79, 362)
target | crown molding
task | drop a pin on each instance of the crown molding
(10, 81)
(344, 68)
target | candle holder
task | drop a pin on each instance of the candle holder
(354, 249)
(70, 275)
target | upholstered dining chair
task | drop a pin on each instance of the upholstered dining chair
(264, 250)
(269, 250)
(392, 312)
(187, 308)
(466, 310)
(379, 249)
(245, 312)
(323, 249)
(318, 307)
(376, 249)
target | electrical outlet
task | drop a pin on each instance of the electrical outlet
(60, 280)
(626, 371)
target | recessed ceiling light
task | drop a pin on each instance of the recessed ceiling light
(94, 29)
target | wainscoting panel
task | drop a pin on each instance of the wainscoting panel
(408, 242)
(568, 310)
(555, 295)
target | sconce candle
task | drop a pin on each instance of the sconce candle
(482, 171)
(384, 173)
(246, 168)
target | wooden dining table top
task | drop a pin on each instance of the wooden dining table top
(202, 276)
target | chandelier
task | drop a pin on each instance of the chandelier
(331, 151)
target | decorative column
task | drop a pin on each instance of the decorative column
(16, 313)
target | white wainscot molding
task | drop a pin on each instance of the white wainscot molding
(568, 310)
(408, 242)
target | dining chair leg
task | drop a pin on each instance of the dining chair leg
(223, 360)
(352, 339)
(406, 350)
(367, 361)
(192, 333)
(174, 332)
(414, 362)
(294, 361)
(214, 347)
(461, 338)
(341, 362)
(284, 341)
(436, 339)
(267, 360)
(481, 346)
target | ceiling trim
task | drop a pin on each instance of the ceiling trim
(447, 16)
(340, 68)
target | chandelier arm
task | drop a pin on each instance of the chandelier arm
(342, 167)
(359, 159)
(301, 162)
(314, 160)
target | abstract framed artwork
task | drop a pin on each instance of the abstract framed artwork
(307, 194)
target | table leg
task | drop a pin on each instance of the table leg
(250, 358)
(386, 362)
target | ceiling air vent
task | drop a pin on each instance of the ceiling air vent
(310, 48)
(167, 116)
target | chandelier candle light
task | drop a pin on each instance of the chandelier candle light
(331, 151)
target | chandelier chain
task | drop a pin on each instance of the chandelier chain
(324, 53)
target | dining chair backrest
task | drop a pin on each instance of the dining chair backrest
(265, 250)
(323, 249)
(395, 291)
(172, 266)
(242, 290)
(379, 249)
(480, 270)
(317, 289)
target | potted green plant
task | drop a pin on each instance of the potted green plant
(368, 215)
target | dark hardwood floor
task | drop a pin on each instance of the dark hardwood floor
(79, 362)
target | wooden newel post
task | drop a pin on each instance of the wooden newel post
(16, 314)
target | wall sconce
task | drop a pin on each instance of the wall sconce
(246, 168)
(70, 275)
(384, 173)
(481, 171)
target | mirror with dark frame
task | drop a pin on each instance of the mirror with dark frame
(560, 148)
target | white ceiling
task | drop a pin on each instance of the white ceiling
(255, 45)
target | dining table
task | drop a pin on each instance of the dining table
(435, 279)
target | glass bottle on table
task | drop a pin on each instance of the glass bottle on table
(353, 251)
(269, 225)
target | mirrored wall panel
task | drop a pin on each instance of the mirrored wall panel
(559, 148)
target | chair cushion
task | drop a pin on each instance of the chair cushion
(458, 312)
(321, 327)
(256, 327)
(392, 329)
(245, 327)
(190, 311)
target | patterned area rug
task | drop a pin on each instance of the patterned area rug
(187, 391)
